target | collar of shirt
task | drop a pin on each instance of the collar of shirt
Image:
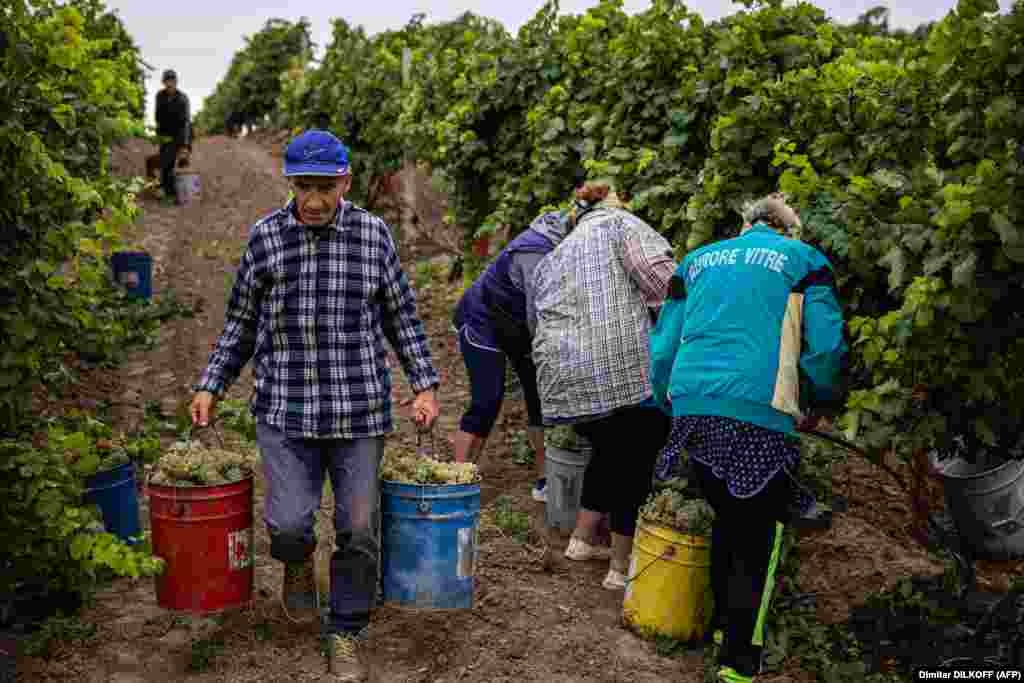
(291, 221)
(759, 226)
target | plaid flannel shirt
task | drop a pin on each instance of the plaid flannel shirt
(313, 311)
(593, 291)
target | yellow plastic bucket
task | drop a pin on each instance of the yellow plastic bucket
(669, 587)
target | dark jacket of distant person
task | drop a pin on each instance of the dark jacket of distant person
(173, 118)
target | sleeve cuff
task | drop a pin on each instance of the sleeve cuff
(214, 387)
(425, 384)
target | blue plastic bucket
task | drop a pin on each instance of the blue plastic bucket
(115, 493)
(429, 538)
(133, 270)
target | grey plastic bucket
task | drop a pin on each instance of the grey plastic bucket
(564, 471)
(986, 501)
(187, 187)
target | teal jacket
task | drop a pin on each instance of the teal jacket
(752, 330)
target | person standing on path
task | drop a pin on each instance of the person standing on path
(595, 293)
(751, 331)
(174, 125)
(496, 319)
(318, 291)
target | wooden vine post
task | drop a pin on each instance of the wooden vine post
(408, 189)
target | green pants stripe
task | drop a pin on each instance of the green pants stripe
(769, 586)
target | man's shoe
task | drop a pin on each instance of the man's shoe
(299, 595)
(581, 551)
(343, 658)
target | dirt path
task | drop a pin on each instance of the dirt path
(535, 619)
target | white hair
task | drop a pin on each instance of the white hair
(772, 210)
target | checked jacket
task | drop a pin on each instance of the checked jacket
(593, 325)
(312, 308)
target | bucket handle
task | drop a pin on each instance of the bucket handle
(666, 554)
(1009, 520)
(433, 440)
(423, 507)
(212, 427)
(191, 431)
(179, 508)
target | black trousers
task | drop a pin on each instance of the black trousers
(618, 477)
(168, 161)
(745, 543)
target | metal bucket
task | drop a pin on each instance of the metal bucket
(429, 540)
(205, 534)
(986, 501)
(564, 471)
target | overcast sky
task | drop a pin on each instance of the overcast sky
(198, 37)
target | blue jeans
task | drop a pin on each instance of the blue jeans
(294, 471)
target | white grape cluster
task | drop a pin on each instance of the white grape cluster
(563, 436)
(196, 465)
(670, 508)
(411, 469)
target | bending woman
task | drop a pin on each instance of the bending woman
(594, 295)
(495, 319)
(752, 327)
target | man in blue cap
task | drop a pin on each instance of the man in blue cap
(318, 291)
(174, 125)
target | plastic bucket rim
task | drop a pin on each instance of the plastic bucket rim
(413, 493)
(582, 456)
(574, 451)
(651, 528)
(390, 483)
(978, 475)
(584, 449)
(111, 470)
(114, 468)
(191, 487)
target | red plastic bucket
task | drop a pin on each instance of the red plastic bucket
(205, 535)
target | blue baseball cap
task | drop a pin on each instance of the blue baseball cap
(316, 152)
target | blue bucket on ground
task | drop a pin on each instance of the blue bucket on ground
(133, 270)
(115, 493)
(429, 539)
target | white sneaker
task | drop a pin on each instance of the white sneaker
(540, 495)
(581, 551)
(615, 581)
